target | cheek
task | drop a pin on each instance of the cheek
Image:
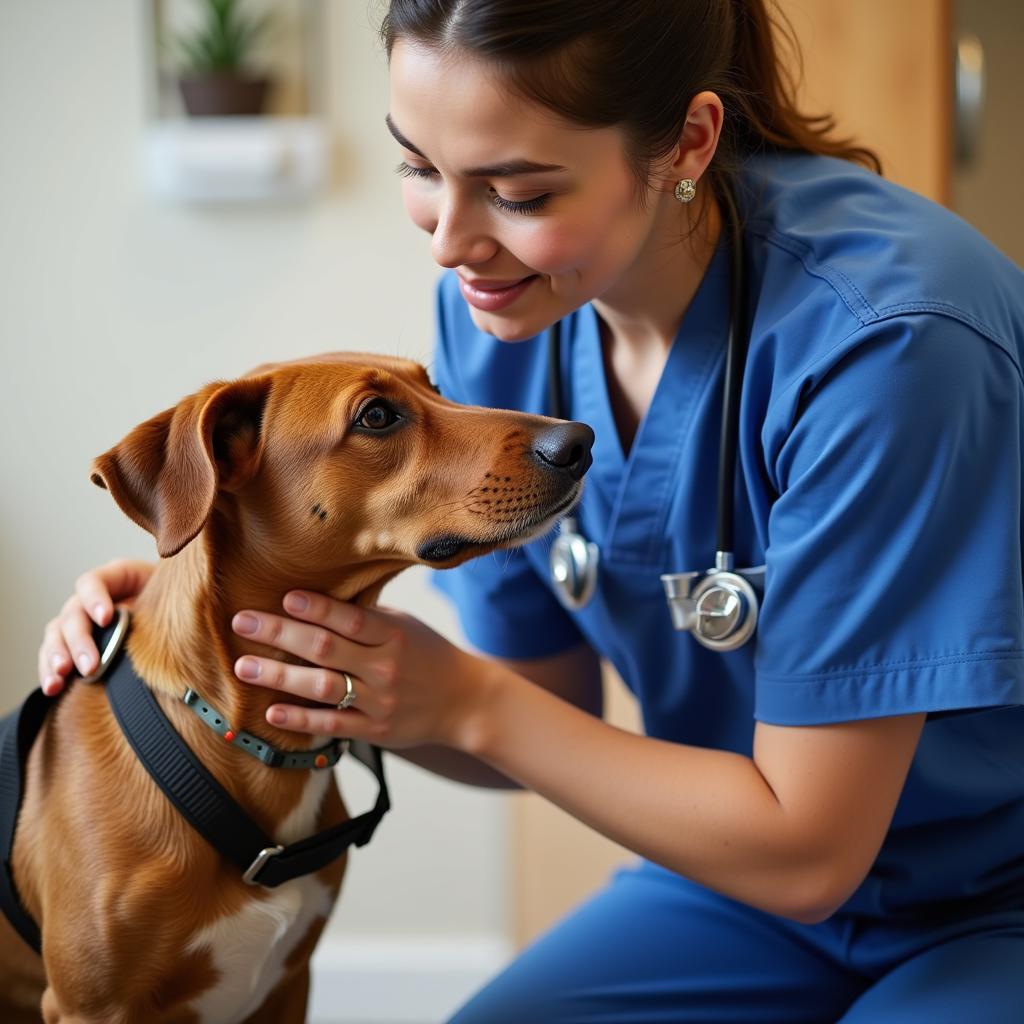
(419, 207)
(560, 246)
(601, 230)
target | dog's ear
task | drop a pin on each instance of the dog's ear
(167, 472)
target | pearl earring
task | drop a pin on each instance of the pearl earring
(685, 190)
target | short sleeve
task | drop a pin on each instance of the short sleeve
(504, 606)
(894, 570)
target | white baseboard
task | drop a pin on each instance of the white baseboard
(381, 980)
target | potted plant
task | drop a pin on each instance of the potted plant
(216, 79)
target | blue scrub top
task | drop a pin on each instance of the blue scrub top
(879, 479)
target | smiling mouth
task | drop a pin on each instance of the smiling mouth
(492, 298)
(443, 549)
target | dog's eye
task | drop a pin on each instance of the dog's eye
(378, 415)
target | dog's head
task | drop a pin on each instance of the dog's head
(343, 460)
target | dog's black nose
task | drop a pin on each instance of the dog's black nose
(566, 447)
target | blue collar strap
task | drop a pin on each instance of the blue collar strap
(323, 757)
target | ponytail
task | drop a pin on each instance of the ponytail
(765, 94)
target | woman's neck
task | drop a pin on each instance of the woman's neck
(642, 313)
(639, 322)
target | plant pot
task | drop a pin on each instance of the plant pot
(223, 95)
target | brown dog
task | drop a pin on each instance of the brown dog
(331, 475)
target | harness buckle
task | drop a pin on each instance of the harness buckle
(257, 865)
(114, 644)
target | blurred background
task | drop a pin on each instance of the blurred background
(147, 247)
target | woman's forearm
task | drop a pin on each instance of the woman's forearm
(708, 814)
(457, 766)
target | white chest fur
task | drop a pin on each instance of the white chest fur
(249, 948)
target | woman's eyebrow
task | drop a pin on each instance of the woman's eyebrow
(507, 169)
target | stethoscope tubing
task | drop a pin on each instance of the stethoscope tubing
(720, 606)
(735, 363)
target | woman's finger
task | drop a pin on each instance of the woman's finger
(76, 632)
(99, 588)
(321, 722)
(54, 661)
(352, 621)
(94, 597)
(67, 639)
(313, 643)
(319, 684)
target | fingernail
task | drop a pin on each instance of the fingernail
(48, 682)
(296, 602)
(84, 662)
(56, 660)
(248, 668)
(245, 623)
(277, 716)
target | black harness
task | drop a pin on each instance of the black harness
(197, 795)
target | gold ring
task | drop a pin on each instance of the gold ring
(350, 693)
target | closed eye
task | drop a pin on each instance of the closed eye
(405, 170)
(507, 205)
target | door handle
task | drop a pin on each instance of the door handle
(969, 98)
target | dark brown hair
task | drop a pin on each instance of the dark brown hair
(637, 64)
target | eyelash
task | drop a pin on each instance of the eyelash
(507, 205)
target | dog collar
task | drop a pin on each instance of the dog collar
(323, 757)
(200, 799)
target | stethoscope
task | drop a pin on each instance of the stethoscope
(718, 606)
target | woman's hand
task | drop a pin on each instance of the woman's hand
(69, 635)
(412, 687)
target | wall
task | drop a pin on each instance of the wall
(115, 307)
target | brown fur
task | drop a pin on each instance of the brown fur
(251, 488)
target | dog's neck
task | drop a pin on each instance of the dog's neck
(181, 628)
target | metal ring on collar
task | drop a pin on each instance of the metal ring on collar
(350, 693)
(113, 646)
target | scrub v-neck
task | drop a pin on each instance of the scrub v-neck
(639, 486)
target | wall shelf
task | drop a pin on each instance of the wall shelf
(236, 159)
(282, 155)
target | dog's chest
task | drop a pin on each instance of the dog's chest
(249, 947)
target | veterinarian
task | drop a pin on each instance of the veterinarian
(828, 802)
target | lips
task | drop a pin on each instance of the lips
(492, 295)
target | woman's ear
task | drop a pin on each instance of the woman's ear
(698, 141)
(166, 474)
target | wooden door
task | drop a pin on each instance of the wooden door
(883, 69)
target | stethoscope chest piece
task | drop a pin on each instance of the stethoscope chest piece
(719, 607)
(573, 565)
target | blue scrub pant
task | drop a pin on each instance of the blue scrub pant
(653, 947)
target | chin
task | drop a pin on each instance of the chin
(508, 330)
(512, 335)
(504, 328)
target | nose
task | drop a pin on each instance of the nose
(456, 239)
(566, 447)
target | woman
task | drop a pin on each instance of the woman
(830, 817)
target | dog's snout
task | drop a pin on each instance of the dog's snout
(566, 447)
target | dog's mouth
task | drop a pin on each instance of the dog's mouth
(444, 548)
